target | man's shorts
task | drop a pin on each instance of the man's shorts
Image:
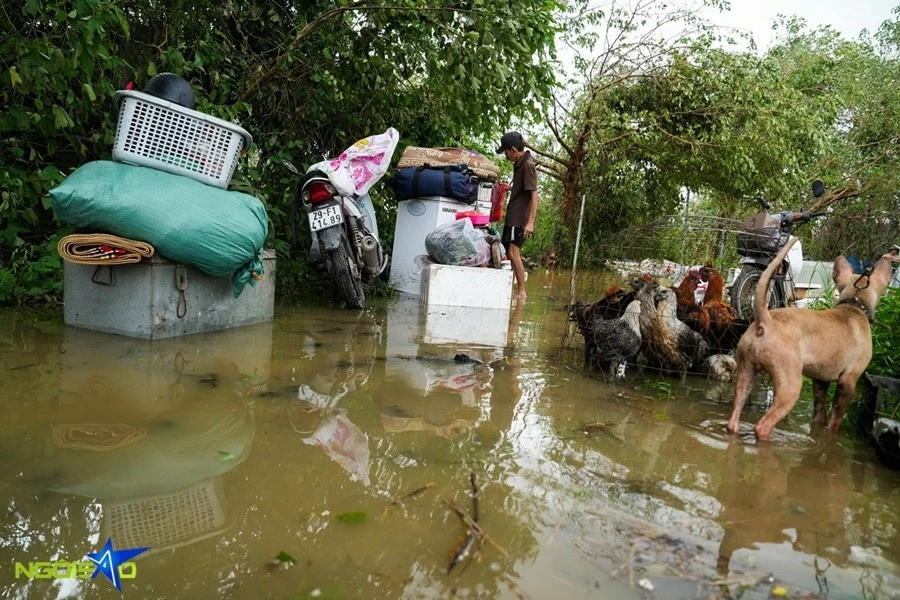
(513, 235)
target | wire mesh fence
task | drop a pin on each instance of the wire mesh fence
(670, 296)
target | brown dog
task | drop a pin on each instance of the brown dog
(829, 345)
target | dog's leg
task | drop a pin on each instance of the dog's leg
(787, 386)
(843, 393)
(746, 373)
(820, 397)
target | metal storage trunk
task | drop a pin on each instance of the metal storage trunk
(143, 300)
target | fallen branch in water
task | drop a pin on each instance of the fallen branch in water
(412, 494)
(474, 496)
(516, 589)
(475, 527)
(467, 548)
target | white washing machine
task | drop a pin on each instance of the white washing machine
(415, 219)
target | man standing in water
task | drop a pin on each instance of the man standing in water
(522, 206)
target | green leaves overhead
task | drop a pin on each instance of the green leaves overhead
(307, 79)
(654, 117)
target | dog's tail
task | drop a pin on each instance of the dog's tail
(761, 307)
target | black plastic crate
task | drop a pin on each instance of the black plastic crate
(880, 395)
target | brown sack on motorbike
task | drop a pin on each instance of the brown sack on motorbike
(414, 156)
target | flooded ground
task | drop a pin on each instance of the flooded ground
(338, 440)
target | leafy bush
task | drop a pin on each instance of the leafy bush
(307, 79)
(886, 336)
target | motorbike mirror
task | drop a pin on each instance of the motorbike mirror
(818, 188)
(290, 167)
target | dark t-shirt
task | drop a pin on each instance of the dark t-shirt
(524, 182)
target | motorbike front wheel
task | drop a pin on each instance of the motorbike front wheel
(743, 293)
(345, 274)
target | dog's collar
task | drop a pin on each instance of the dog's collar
(855, 301)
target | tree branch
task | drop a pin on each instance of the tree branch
(548, 166)
(552, 174)
(564, 163)
(365, 5)
(836, 196)
(559, 138)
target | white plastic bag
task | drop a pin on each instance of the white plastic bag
(361, 165)
(345, 443)
(458, 243)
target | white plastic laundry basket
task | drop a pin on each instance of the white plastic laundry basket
(167, 520)
(162, 135)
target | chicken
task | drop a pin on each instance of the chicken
(612, 306)
(643, 293)
(581, 315)
(607, 307)
(687, 308)
(721, 314)
(720, 367)
(723, 329)
(669, 343)
(613, 343)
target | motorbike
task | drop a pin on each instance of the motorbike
(763, 236)
(345, 235)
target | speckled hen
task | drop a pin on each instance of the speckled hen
(614, 343)
(675, 346)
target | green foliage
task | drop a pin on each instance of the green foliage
(885, 339)
(854, 86)
(656, 116)
(56, 80)
(307, 79)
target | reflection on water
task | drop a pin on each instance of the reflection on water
(308, 435)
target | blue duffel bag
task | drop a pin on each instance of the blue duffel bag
(452, 182)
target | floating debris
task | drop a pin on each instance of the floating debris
(410, 495)
(646, 584)
(352, 517)
(473, 480)
(472, 524)
(474, 533)
(465, 549)
(282, 562)
(212, 380)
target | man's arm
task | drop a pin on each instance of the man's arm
(532, 213)
(530, 184)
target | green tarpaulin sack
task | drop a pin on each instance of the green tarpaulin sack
(219, 232)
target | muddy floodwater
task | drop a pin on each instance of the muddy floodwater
(319, 456)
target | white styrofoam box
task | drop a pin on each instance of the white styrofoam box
(466, 325)
(415, 219)
(448, 285)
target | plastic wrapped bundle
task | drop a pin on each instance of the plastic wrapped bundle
(458, 243)
(218, 231)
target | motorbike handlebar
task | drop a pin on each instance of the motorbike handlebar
(802, 217)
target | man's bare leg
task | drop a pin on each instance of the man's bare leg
(515, 259)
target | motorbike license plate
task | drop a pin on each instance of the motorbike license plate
(325, 217)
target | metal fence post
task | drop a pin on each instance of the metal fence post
(575, 262)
